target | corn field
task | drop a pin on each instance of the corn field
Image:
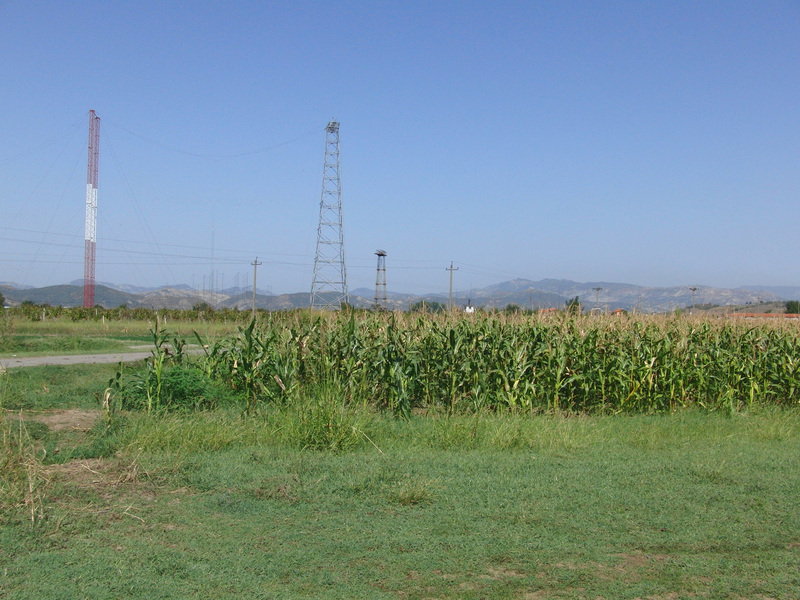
(532, 363)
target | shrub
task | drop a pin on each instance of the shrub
(182, 388)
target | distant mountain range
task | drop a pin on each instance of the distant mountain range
(140, 290)
(609, 295)
(545, 293)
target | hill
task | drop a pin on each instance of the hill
(784, 292)
(545, 293)
(649, 299)
(70, 295)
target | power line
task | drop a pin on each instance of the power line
(139, 242)
(132, 196)
(215, 156)
(76, 126)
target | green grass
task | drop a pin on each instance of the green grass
(21, 337)
(38, 345)
(53, 337)
(693, 505)
(55, 386)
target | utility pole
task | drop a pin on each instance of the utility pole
(90, 241)
(694, 289)
(255, 264)
(451, 269)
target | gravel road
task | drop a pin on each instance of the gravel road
(72, 359)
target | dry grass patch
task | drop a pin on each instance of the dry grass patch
(96, 473)
(72, 419)
(109, 489)
(632, 567)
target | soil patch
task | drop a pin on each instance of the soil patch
(71, 419)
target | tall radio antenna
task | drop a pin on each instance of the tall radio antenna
(90, 241)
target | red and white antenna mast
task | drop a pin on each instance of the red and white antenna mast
(90, 244)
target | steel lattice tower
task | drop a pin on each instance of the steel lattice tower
(380, 280)
(90, 242)
(329, 288)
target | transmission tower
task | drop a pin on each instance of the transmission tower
(90, 242)
(380, 280)
(329, 288)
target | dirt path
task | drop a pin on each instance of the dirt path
(72, 359)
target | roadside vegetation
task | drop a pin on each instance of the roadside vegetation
(378, 455)
(24, 331)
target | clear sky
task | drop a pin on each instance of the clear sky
(654, 143)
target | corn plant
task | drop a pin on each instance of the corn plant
(150, 383)
(511, 362)
(155, 367)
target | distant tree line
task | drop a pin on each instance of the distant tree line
(205, 312)
(199, 312)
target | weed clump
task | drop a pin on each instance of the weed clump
(183, 388)
(21, 480)
(322, 420)
(412, 491)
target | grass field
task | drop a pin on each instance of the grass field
(22, 337)
(322, 498)
(670, 506)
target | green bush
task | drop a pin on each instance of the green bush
(183, 388)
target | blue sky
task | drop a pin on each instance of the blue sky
(654, 143)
